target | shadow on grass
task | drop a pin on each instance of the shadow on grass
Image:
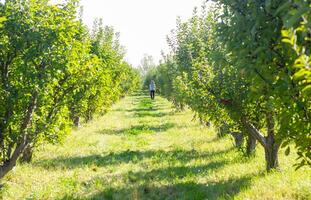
(136, 110)
(138, 129)
(186, 190)
(176, 172)
(128, 156)
(152, 114)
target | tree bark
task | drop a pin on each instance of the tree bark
(271, 148)
(271, 154)
(238, 138)
(251, 145)
(10, 163)
(89, 117)
(181, 107)
(27, 154)
(254, 132)
(223, 130)
(270, 145)
(76, 121)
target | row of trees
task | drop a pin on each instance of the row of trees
(246, 65)
(53, 71)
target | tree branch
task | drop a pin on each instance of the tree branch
(254, 132)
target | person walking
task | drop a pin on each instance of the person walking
(152, 88)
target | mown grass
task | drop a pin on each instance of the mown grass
(142, 149)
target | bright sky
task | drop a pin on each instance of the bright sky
(143, 24)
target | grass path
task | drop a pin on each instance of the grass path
(142, 149)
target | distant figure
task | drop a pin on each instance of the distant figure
(152, 88)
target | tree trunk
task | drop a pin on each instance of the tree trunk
(76, 121)
(27, 154)
(89, 116)
(238, 138)
(251, 145)
(271, 147)
(10, 163)
(181, 107)
(271, 154)
(223, 130)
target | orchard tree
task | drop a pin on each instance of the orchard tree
(232, 68)
(296, 34)
(49, 74)
(40, 48)
(146, 64)
(264, 60)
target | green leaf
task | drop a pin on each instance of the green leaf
(258, 50)
(300, 75)
(285, 143)
(2, 19)
(307, 90)
(295, 18)
(287, 40)
(282, 7)
(287, 151)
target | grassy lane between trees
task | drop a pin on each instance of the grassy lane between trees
(143, 149)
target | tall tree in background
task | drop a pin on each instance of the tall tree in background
(146, 64)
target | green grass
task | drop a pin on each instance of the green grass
(142, 149)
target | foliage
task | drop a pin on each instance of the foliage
(49, 73)
(146, 64)
(232, 67)
(296, 33)
(109, 77)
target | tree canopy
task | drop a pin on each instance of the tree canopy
(246, 64)
(52, 72)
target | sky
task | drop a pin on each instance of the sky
(143, 24)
